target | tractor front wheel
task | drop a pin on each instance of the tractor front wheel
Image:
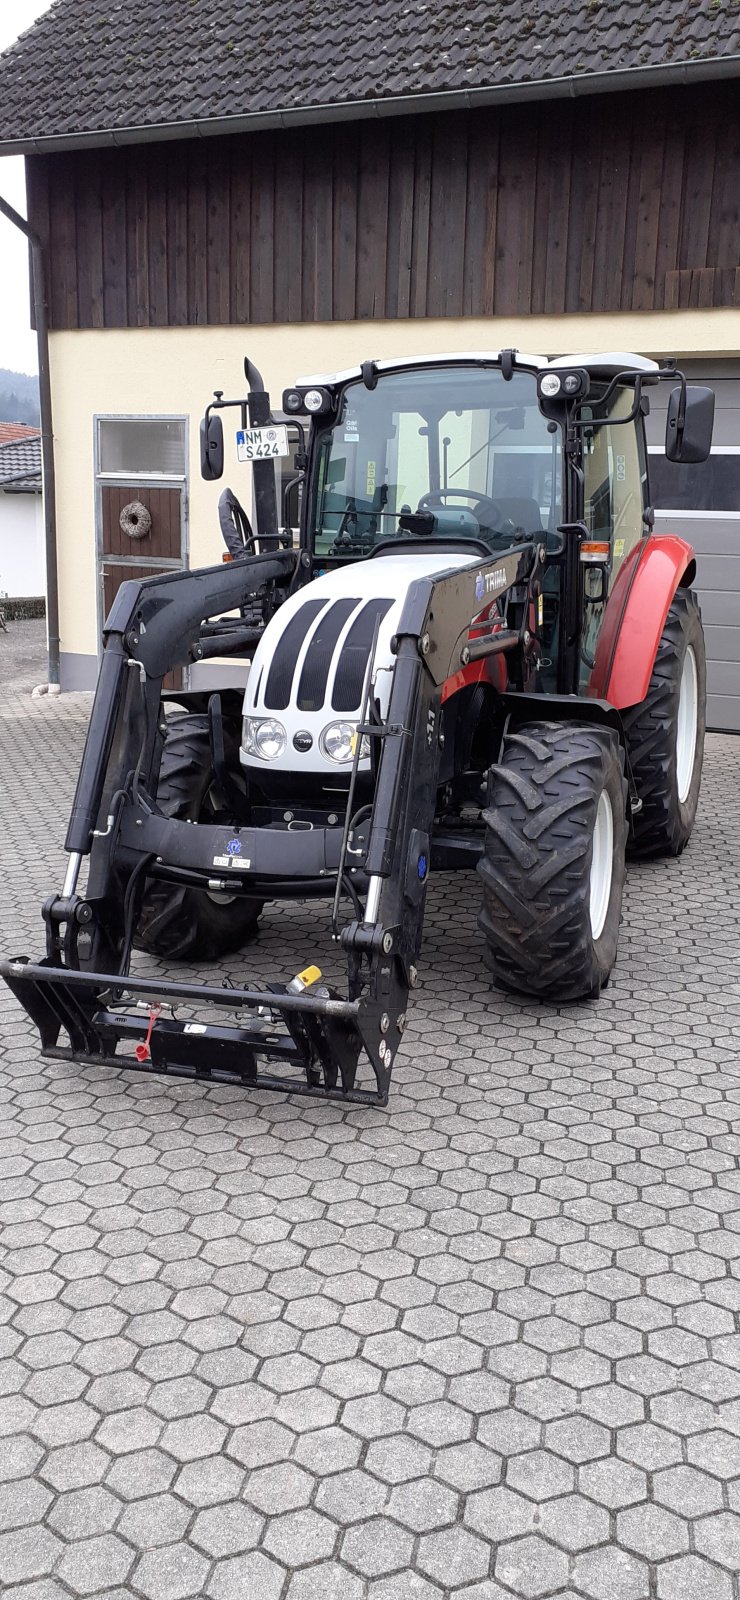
(177, 921)
(665, 735)
(554, 862)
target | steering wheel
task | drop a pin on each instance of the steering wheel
(487, 512)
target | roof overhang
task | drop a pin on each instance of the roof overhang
(569, 87)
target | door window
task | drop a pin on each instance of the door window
(615, 495)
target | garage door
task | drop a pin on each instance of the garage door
(702, 504)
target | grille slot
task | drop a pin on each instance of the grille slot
(350, 673)
(282, 667)
(318, 658)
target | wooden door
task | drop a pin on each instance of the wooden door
(139, 546)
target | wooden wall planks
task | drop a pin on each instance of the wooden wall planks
(619, 203)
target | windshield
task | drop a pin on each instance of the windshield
(459, 444)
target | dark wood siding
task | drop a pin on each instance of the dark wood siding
(619, 203)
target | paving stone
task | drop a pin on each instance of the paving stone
(613, 1483)
(453, 1556)
(691, 1578)
(174, 1573)
(159, 1520)
(531, 1567)
(423, 1505)
(539, 1475)
(686, 1491)
(574, 1523)
(227, 1530)
(209, 1482)
(250, 1577)
(327, 1581)
(350, 1496)
(93, 1565)
(433, 1347)
(83, 1513)
(652, 1532)
(613, 1573)
(27, 1553)
(719, 1538)
(300, 1537)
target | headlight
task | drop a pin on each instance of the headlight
(263, 737)
(550, 385)
(338, 742)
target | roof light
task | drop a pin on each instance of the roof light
(317, 401)
(563, 384)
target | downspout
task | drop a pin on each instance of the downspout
(41, 311)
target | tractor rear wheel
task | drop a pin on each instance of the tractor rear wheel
(665, 735)
(554, 861)
(177, 921)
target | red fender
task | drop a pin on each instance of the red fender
(492, 670)
(635, 618)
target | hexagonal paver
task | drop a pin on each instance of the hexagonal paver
(574, 1523)
(350, 1496)
(652, 1531)
(174, 1573)
(96, 1564)
(423, 1505)
(453, 1556)
(531, 1567)
(690, 1578)
(719, 1538)
(300, 1537)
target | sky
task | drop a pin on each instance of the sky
(17, 342)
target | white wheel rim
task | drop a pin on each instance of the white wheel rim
(602, 857)
(687, 725)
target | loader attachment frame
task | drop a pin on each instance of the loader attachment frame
(314, 1039)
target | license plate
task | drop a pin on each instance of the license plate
(259, 444)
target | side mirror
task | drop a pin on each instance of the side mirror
(689, 423)
(211, 448)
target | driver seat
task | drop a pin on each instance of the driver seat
(523, 514)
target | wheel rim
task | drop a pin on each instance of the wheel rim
(687, 725)
(602, 855)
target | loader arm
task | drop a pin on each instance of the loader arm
(83, 987)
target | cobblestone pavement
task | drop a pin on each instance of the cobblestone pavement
(482, 1344)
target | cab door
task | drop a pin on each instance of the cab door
(615, 496)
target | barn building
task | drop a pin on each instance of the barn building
(322, 184)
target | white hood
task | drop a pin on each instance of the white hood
(309, 667)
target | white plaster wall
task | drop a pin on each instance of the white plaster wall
(174, 371)
(22, 556)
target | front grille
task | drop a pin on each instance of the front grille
(318, 658)
(282, 666)
(350, 673)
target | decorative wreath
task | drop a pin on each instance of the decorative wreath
(135, 520)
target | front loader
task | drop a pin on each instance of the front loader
(476, 655)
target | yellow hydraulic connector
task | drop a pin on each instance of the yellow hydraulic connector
(304, 979)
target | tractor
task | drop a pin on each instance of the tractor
(472, 654)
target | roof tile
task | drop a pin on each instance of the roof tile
(87, 68)
(20, 462)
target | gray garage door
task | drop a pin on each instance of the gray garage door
(702, 504)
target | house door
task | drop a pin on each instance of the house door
(142, 521)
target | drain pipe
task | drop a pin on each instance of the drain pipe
(41, 309)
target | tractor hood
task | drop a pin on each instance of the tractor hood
(304, 696)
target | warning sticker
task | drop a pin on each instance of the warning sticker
(232, 861)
